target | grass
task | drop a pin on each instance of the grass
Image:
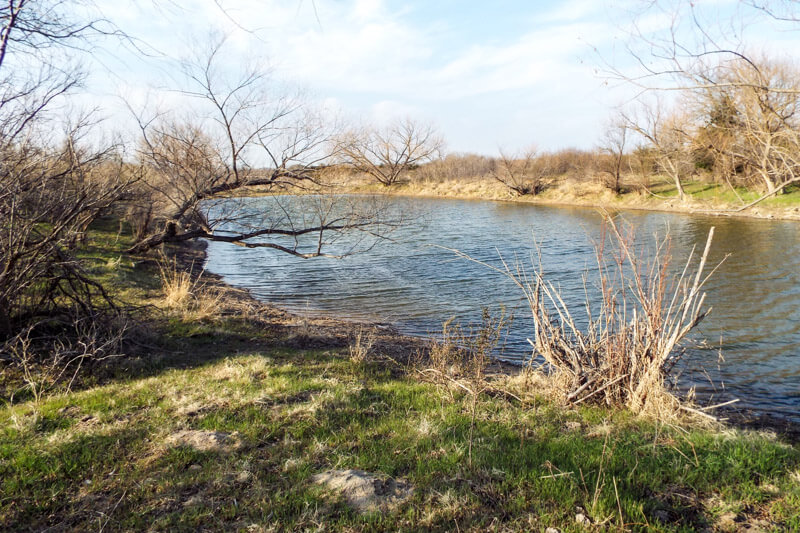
(101, 456)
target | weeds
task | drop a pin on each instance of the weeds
(361, 347)
(49, 360)
(460, 359)
(187, 294)
(629, 346)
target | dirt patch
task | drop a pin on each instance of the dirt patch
(364, 491)
(206, 441)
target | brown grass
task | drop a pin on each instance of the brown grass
(187, 295)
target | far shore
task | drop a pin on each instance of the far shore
(702, 199)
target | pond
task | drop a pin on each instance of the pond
(752, 333)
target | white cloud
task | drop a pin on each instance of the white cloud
(386, 111)
(370, 58)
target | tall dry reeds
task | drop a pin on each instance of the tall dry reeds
(633, 336)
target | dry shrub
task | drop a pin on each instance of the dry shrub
(458, 361)
(361, 346)
(187, 295)
(630, 345)
(50, 356)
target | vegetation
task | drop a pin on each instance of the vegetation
(107, 455)
(139, 394)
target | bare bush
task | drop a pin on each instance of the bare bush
(49, 356)
(523, 173)
(48, 197)
(362, 344)
(630, 345)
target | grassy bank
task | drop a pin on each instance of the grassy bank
(221, 410)
(660, 195)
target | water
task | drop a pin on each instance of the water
(415, 285)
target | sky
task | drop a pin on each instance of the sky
(495, 75)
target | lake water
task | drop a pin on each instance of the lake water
(755, 294)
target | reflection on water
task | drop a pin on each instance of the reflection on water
(755, 294)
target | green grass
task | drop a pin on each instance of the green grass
(723, 195)
(100, 457)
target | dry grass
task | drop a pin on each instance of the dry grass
(633, 336)
(361, 346)
(187, 295)
(458, 362)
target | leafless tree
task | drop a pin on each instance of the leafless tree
(708, 59)
(54, 180)
(668, 139)
(613, 144)
(242, 136)
(760, 131)
(523, 173)
(387, 154)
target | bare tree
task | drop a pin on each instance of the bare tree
(52, 185)
(523, 173)
(613, 144)
(387, 154)
(707, 58)
(241, 136)
(668, 138)
(761, 132)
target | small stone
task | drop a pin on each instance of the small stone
(552, 530)
(87, 481)
(195, 467)
(582, 519)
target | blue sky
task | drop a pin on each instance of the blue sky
(503, 74)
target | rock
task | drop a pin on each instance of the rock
(206, 441)
(582, 519)
(195, 467)
(552, 530)
(364, 491)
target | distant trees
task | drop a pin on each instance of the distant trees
(668, 139)
(739, 115)
(752, 122)
(614, 143)
(388, 153)
(522, 173)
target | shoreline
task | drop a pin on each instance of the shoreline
(322, 330)
(567, 193)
